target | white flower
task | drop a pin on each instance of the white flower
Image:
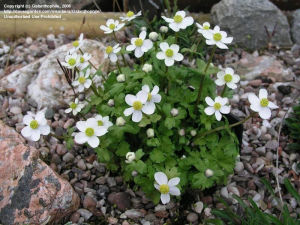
(120, 121)
(217, 37)
(203, 29)
(217, 107)
(111, 53)
(227, 77)
(165, 187)
(163, 29)
(103, 122)
(150, 133)
(140, 45)
(89, 132)
(153, 97)
(181, 132)
(137, 106)
(121, 78)
(209, 173)
(75, 107)
(71, 60)
(84, 60)
(112, 26)
(83, 81)
(179, 21)
(193, 133)
(174, 112)
(153, 36)
(169, 53)
(77, 44)
(35, 126)
(147, 68)
(130, 16)
(261, 104)
(130, 156)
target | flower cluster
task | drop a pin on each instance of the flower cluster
(160, 109)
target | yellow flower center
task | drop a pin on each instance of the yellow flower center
(177, 18)
(76, 43)
(138, 42)
(130, 14)
(112, 26)
(81, 59)
(100, 123)
(227, 77)
(81, 80)
(169, 52)
(164, 189)
(34, 124)
(264, 102)
(89, 132)
(72, 62)
(217, 106)
(217, 37)
(206, 27)
(149, 96)
(109, 49)
(73, 105)
(137, 105)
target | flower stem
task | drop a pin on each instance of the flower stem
(124, 61)
(119, 68)
(224, 127)
(56, 136)
(224, 90)
(203, 76)
(94, 89)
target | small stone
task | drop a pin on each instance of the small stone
(224, 192)
(198, 207)
(111, 181)
(269, 156)
(133, 214)
(102, 190)
(89, 202)
(284, 89)
(292, 157)
(15, 110)
(81, 165)
(61, 149)
(44, 152)
(257, 197)
(160, 208)
(192, 217)
(272, 144)
(49, 113)
(239, 166)
(70, 122)
(75, 217)
(255, 83)
(68, 157)
(261, 150)
(112, 220)
(120, 199)
(28, 41)
(85, 214)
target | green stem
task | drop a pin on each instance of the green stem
(124, 61)
(224, 90)
(203, 76)
(119, 68)
(94, 89)
(225, 126)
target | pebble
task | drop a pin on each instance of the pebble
(192, 217)
(89, 202)
(81, 165)
(112, 220)
(224, 192)
(111, 181)
(85, 214)
(239, 166)
(70, 122)
(160, 208)
(15, 110)
(120, 199)
(133, 213)
(68, 157)
(49, 113)
(261, 150)
(198, 207)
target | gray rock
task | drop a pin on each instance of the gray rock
(296, 26)
(245, 21)
(111, 181)
(239, 166)
(120, 199)
(68, 157)
(198, 207)
(86, 214)
(133, 213)
(15, 110)
(192, 217)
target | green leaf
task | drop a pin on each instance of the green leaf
(170, 122)
(140, 167)
(292, 190)
(123, 148)
(157, 156)
(139, 154)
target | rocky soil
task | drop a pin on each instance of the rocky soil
(106, 199)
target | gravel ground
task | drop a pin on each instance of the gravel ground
(104, 196)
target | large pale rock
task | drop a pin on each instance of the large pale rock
(252, 66)
(30, 191)
(43, 81)
(296, 26)
(245, 20)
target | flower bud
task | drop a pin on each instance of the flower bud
(130, 156)
(143, 29)
(150, 133)
(120, 121)
(181, 132)
(209, 173)
(134, 173)
(193, 133)
(163, 29)
(121, 78)
(153, 36)
(111, 102)
(174, 112)
(147, 68)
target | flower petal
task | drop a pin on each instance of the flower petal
(164, 46)
(156, 98)
(128, 111)
(35, 135)
(178, 57)
(26, 131)
(265, 113)
(169, 61)
(161, 178)
(229, 71)
(253, 99)
(156, 186)
(188, 21)
(231, 85)
(81, 125)
(44, 129)
(174, 27)
(221, 45)
(263, 93)
(130, 47)
(93, 141)
(174, 191)
(146, 88)
(174, 47)
(27, 119)
(181, 13)
(137, 116)
(143, 35)
(138, 52)
(160, 55)
(142, 96)
(220, 82)
(148, 108)
(272, 105)
(209, 110)
(113, 58)
(155, 90)
(147, 45)
(218, 115)
(227, 40)
(80, 138)
(225, 109)
(165, 198)
(129, 99)
(174, 181)
(209, 101)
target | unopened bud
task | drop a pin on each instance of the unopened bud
(209, 173)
